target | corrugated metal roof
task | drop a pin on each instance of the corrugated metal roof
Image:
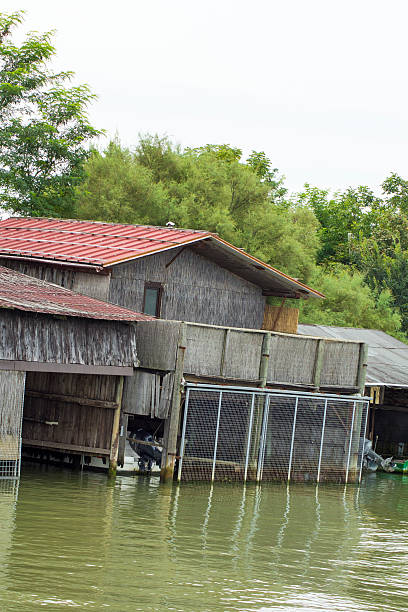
(105, 244)
(91, 242)
(21, 292)
(387, 357)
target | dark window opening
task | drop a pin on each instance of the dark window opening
(152, 299)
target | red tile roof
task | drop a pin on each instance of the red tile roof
(88, 242)
(100, 245)
(21, 292)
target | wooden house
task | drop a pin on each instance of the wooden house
(170, 273)
(180, 275)
(63, 360)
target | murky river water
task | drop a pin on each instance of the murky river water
(74, 540)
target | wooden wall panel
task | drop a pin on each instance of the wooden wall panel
(65, 422)
(41, 338)
(195, 289)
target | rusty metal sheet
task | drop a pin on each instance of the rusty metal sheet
(21, 292)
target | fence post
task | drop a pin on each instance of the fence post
(262, 441)
(225, 345)
(362, 367)
(167, 470)
(264, 363)
(216, 436)
(293, 438)
(183, 435)
(251, 420)
(321, 441)
(318, 364)
(351, 439)
(362, 446)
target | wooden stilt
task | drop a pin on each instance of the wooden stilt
(172, 427)
(113, 459)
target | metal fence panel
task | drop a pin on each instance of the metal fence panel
(239, 434)
(11, 414)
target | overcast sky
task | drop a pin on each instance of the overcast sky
(320, 85)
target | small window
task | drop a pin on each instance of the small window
(152, 299)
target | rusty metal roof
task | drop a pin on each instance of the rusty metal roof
(387, 357)
(101, 245)
(21, 292)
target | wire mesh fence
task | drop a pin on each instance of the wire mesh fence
(234, 434)
(11, 413)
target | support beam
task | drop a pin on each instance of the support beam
(122, 437)
(72, 399)
(170, 450)
(318, 364)
(362, 367)
(114, 450)
(263, 366)
(225, 346)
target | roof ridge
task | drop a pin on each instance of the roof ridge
(110, 223)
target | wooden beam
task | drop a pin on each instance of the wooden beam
(63, 446)
(71, 399)
(318, 364)
(362, 367)
(122, 437)
(169, 455)
(175, 257)
(264, 363)
(225, 345)
(69, 368)
(113, 459)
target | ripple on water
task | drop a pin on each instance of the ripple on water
(75, 540)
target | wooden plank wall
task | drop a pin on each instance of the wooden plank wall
(195, 289)
(69, 411)
(26, 336)
(223, 352)
(94, 284)
(281, 318)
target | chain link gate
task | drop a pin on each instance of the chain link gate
(240, 434)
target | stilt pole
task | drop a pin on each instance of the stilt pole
(167, 470)
(113, 459)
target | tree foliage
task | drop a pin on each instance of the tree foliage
(204, 188)
(43, 126)
(351, 245)
(350, 303)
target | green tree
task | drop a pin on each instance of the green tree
(351, 303)
(204, 188)
(43, 126)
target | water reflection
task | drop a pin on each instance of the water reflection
(76, 540)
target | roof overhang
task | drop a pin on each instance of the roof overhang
(272, 281)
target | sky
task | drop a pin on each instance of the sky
(321, 86)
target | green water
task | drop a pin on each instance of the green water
(74, 540)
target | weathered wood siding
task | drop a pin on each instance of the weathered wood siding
(94, 284)
(229, 353)
(88, 426)
(195, 289)
(281, 318)
(11, 407)
(27, 336)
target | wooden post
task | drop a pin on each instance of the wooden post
(170, 449)
(362, 367)
(263, 366)
(259, 407)
(113, 459)
(224, 351)
(122, 437)
(318, 364)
